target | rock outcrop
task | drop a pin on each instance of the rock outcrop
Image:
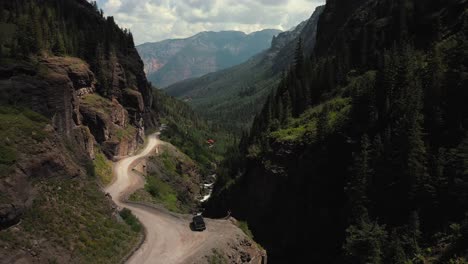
(63, 89)
(72, 86)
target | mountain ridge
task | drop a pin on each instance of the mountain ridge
(173, 60)
(212, 31)
(233, 96)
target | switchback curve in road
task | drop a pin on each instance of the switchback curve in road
(169, 239)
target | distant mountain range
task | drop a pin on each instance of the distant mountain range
(233, 96)
(174, 60)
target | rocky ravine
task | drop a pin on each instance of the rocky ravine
(168, 235)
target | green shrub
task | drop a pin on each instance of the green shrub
(103, 168)
(163, 193)
(216, 258)
(130, 219)
(7, 155)
(74, 213)
(244, 226)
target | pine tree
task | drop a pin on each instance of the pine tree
(95, 6)
(365, 242)
(36, 28)
(322, 124)
(396, 253)
(301, 101)
(414, 231)
(357, 186)
(59, 46)
(299, 59)
(287, 108)
(280, 109)
(417, 155)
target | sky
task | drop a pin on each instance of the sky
(156, 20)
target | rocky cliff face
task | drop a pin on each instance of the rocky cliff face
(85, 112)
(72, 86)
(171, 61)
(63, 89)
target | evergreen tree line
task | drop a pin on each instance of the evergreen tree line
(186, 130)
(31, 28)
(402, 148)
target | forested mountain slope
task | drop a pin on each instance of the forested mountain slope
(73, 95)
(232, 97)
(189, 132)
(174, 60)
(360, 156)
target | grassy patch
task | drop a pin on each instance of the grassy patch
(172, 181)
(169, 163)
(103, 168)
(21, 126)
(244, 226)
(75, 215)
(304, 128)
(216, 258)
(163, 193)
(130, 219)
(128, 132)
(94, 99)
(19, 129)
(98, 103)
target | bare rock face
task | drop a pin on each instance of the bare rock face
(118, 80)
(67, 78)
(63, 89)
(9, 215)
(83, 139)
(109, 122)
(52, 89)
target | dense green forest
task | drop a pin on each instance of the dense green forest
(361, 154)
(189, 132)
(68, 28)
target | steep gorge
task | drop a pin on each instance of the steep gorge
(232, 97)
(72, 86)
(360, 154)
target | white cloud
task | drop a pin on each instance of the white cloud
(156, 20)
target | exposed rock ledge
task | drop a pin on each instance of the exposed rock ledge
(64, 90)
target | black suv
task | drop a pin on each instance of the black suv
(198, 224)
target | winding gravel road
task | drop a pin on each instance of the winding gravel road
(168, 236)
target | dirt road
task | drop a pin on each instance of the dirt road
(168, 236)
